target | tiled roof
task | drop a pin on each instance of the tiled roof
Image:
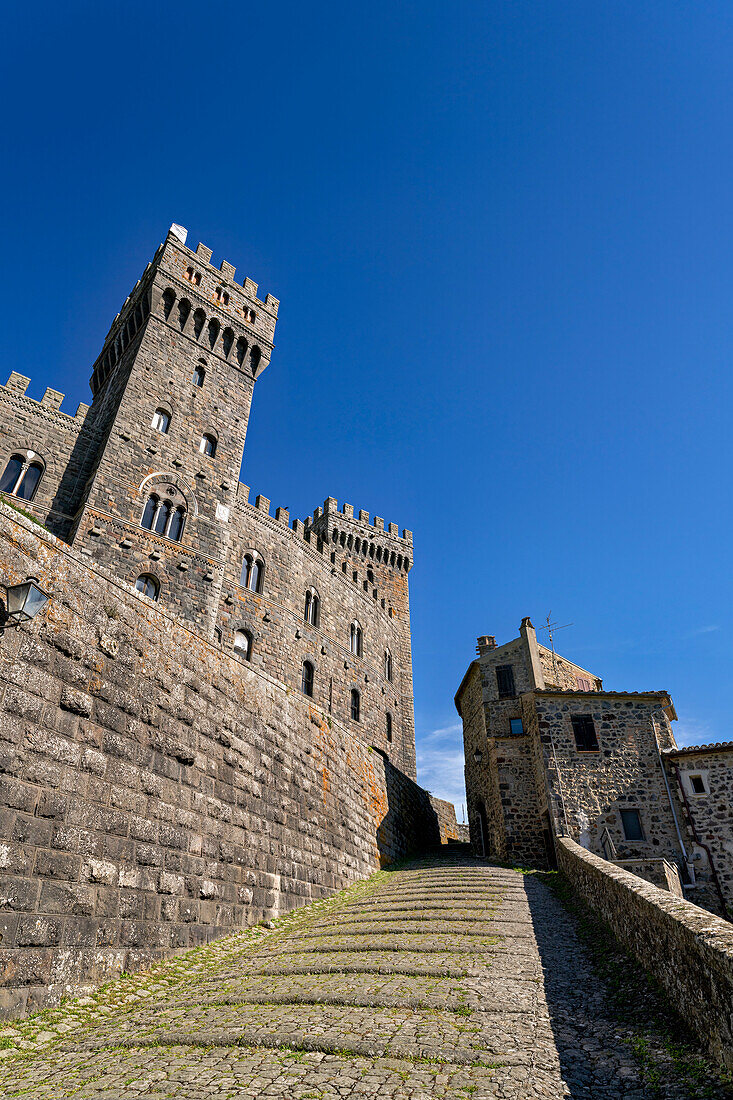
(690, 750)
(617, 694)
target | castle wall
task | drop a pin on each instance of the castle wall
(102, 466)
(293, 562)
(40, 426)
(156, 792)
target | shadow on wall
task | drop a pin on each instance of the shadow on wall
(410, 824)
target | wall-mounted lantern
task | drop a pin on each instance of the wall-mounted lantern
(23, 602)
(478, 756)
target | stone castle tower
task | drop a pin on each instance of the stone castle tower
(145, 481)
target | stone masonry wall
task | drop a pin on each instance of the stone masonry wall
(707, 818)
(589, 788)
(445, 813)
(101, 467)
(688, 951)
(155, 792)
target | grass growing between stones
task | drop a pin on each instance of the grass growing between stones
(39, 1030)
(660, 1042)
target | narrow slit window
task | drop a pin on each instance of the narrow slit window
(306, 682)
(355, 705)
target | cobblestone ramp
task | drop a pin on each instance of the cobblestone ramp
(423, 982)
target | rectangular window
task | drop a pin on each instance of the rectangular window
(697, 783)
(516, 726)
(631, 821)
(505, 681)
(584, 731)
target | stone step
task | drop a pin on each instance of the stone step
(369, 1031)
(367, 990)
(404, 943)
(264, 1072)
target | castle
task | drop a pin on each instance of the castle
(146, 482)
(211, 722)
(549, 753)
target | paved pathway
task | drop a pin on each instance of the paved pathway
(446, 978)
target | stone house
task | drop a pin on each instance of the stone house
(145, 482)
(549, 752)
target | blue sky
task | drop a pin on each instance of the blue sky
(501, 236)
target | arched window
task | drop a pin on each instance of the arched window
(389, 728)
(168, 300)
(199, 320)
(355, 705)
(388, 665)
(226, 342)
(11, 474)
(214, 327)
(20, 477)
(175, 527)
(251, 575)
(161, 518)
(198, 375)
(254, 360)
(355, 638)
(161, 421)
(243, 644)
(207, 446)
(149, 512)
(148, 585)
(184, 312)
(306, 681)
(242, 346)
(312, 607)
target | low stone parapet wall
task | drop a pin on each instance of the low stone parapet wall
(688, 950)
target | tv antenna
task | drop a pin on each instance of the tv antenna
(551, 627)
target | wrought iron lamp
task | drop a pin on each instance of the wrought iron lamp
(23, 602)
(478, 756)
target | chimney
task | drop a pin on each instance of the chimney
(485, 643)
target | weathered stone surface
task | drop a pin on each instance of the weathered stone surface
(101, 466)
(153, 832)
(262, 1015)
(689, 951)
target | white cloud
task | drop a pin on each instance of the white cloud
(440, 764)
(692, 731)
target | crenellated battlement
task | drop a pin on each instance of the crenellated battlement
(331, 510)
(376, 543)
(17, 385)
(203, 255)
